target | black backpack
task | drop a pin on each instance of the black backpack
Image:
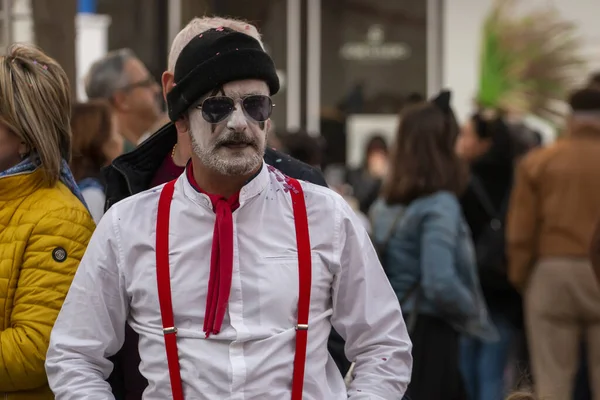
(490, 247)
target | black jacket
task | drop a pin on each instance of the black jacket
(494, 170)
(132, 173)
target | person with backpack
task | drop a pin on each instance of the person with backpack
(486, 144)
(550, 224)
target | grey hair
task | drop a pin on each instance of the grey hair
(107, 75)
(198, 25)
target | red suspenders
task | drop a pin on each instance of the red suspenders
(163, 278)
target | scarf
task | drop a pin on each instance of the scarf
(221, 259)
(33, 162)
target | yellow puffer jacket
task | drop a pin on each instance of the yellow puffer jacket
(43, 235)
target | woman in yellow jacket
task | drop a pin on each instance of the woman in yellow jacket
(44, 226)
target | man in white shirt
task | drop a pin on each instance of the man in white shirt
(233, 275)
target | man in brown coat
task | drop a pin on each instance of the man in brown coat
(595, 245)
(554, 208)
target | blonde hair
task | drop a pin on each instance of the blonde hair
(198, 25)
(36, 105)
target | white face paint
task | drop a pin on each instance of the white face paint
(235, 146)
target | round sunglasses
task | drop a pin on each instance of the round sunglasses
(217, 108)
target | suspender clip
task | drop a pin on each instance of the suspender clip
(302, 327)
(167, 331)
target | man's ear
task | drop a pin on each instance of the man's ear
(168, 81)
(183, 124)
(268, 125)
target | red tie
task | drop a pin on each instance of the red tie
(221, 259)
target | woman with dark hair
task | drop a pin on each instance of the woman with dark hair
(486, 144)
(95, 144)
(426, 249)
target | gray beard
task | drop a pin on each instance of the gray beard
(232, 166)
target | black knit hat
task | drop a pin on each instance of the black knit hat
(212, 59)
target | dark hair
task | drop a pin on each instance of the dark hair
(442, 101)
(495, 128)
(302, 146)
(586, 99)
(595, 80)
(91, 124)
(375, 143)
(414, 98)
(423, 160)
(487, 125)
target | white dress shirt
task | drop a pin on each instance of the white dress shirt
(252, 357)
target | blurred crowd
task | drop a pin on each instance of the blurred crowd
(488, 237)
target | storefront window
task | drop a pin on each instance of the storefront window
(373, 57)
(373, 54)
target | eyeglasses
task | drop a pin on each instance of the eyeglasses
(217, 108)
(146, 83)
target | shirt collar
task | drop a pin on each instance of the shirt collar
(251, 189)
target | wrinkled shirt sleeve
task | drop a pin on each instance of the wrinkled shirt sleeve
(91, 325)
(366, 313)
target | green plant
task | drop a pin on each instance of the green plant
(529, 62)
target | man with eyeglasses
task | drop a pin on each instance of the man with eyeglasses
(233, 274)
(124, 81)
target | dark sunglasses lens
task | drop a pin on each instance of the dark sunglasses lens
(216, 109)
(258, 107)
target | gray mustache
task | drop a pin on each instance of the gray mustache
(235, 139)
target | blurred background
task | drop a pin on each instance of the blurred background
(347, 66)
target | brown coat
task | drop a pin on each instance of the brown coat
(595, 252)
(555, 204)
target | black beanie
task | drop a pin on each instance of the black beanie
(212, 59)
